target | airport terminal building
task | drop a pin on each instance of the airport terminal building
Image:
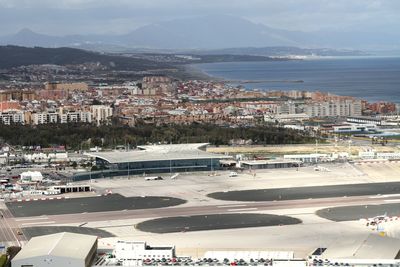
(154, 159)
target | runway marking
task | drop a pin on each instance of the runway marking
(31, 219)
(392, 200)
(248, 209)
(35, 223)
(232, 206)
(386, 196)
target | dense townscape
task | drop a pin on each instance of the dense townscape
(199, 133)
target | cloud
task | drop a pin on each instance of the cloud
(98, 16)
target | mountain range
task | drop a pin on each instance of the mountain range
(207, 33)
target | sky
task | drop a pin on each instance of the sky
(62, 17)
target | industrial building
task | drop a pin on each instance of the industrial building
(61, 250)
(136, 250)
(269, 164)
(154, 159)
(309, 158)
(371, 250)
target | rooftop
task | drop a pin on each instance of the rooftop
(372, 246)
(158, 153)
(61, 245)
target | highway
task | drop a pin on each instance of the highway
(237, 207)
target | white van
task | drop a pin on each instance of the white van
(233, 174)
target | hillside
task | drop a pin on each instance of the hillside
(15, 56)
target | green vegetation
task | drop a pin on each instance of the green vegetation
(3, 260)
(75, 136)
(15, 56)
(12, 252)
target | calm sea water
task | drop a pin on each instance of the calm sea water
(372, 79)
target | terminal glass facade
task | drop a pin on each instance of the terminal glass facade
(149, 167)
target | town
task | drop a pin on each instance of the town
(164, 100)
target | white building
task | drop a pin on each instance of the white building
(286, 117)
(388, 155)
(286, 108)
(61, 117)
(12, 116)
(33, 176)
(135, 250)
(39, 118)
(334, 108)
(354, 128)
(61, 250)
(46, 157)
(101, 113)
(309, 158)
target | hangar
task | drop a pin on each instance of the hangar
(270, 164)
(369, 250)
(154, 159)
(61, 250)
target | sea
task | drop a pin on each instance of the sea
(370, 78)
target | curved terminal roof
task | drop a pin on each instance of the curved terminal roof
(158, 153)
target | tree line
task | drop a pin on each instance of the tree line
(78, 135)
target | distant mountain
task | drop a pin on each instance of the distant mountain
(15, 56)
(210, 32)
(205, 32)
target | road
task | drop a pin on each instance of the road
(47, 220)
(8, 230)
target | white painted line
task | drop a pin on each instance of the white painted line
(392, 200)
(35, 223)
(232, 206)
(248, 209)
(385, 196)
(31, 219)
(392, 195)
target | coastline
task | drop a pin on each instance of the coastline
(378, 85)
(195, 73)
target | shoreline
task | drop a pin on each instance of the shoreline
(285, 85)
(199, 74)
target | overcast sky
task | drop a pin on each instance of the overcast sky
(60, 17)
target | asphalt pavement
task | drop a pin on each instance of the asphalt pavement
(112, 202)
(47, 230)
(213, 222)
(293, 193)
(351, 213)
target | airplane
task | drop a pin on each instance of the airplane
(173, 177)
(320, 168)
(375, 221)
(153, 178)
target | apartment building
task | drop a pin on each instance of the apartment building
(334, 108)
(12, 117)
(101, 113)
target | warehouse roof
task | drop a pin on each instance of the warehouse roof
(158, 153)
(272, 161)
(372, 246)
(68, 245)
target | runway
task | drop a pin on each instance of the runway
(239, 207)
(293, 193)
